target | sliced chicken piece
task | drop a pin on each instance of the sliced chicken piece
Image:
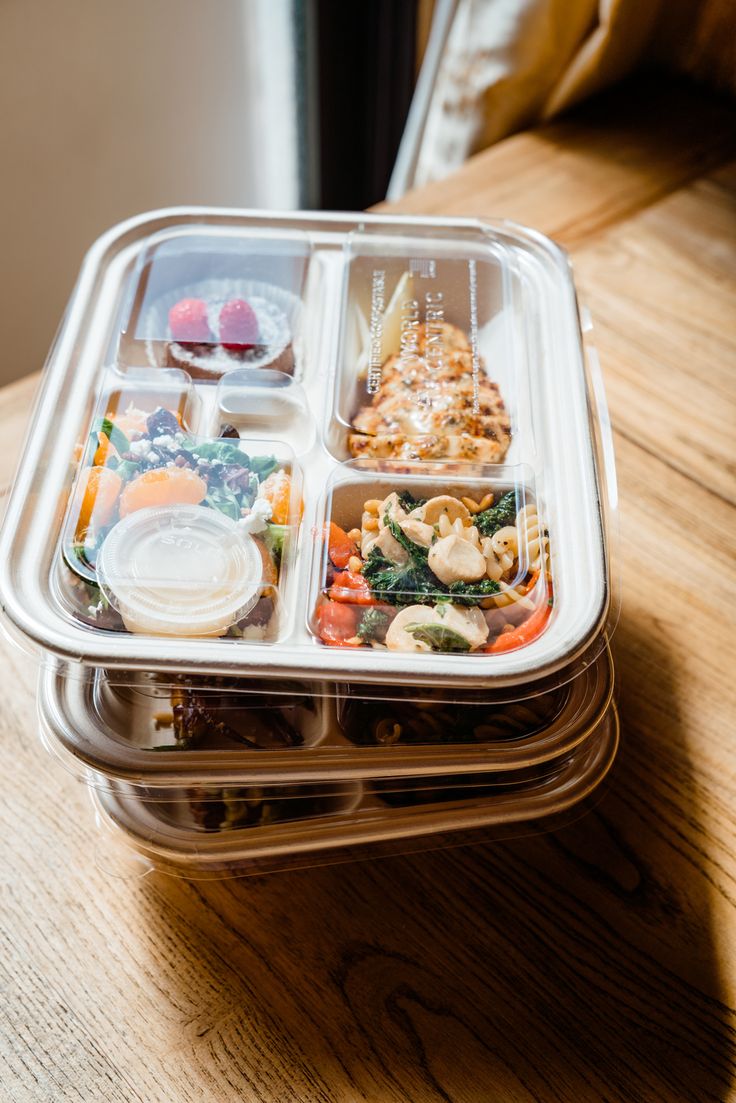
(431, 446)
(459, 394)
(470, 624)
(453, 363)
(431, 406)
(412, 421)
(391, 548)
(484, 399)
(417, 531)
(456, 560)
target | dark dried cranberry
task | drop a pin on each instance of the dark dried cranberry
(229, 431)
(260, 614)
(161, 423)
(235, 476)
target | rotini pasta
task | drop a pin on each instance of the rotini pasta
(532, 552)
(533, 538)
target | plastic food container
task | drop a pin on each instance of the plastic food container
(318, 502)
(241, 831)
(128, 732)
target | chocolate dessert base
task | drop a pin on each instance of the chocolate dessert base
(197, 367)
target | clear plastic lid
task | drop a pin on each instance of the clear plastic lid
(400, 483)
(183, 733)
(208, 833)
(210, 303)
(426, 350)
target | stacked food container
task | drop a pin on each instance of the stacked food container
(311, 536)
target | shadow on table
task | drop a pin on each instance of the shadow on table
(579, 965)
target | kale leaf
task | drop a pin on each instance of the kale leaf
(470, 593)
(373, 625)
(407, 500)
(438, 637)
(497, 517)
(409, 584)
(415, 583)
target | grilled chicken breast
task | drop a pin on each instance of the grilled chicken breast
(433, 407)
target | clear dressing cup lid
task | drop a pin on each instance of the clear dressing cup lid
(180, 570)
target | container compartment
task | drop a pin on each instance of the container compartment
(264, 405)
(427, 364)
(186, 806)
(211, 808)
(422, 558)
(372, 722)
(169, 533)
(439, 789)
(210, 303)
(187, 716)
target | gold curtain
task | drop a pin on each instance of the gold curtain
(509, 64)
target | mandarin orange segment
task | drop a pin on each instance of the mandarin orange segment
(276, 489)
(163, 486)
(104, 450)
(132, 421)
(270, 574)
(98, 489)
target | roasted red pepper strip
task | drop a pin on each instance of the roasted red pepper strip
(348, 586)
(337, 623)
(339, 546)
(524, 633)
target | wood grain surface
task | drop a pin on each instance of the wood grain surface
(595, 963)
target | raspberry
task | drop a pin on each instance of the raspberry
(238, 325)
(188, 321)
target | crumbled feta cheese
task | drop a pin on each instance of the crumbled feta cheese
(140, 447)
(256, 520)
(165, 441)
(255, 632)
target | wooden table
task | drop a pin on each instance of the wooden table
(593, 964)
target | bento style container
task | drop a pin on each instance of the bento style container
(138, 537)
(316, 510)
(182, 838)
(128, 733)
